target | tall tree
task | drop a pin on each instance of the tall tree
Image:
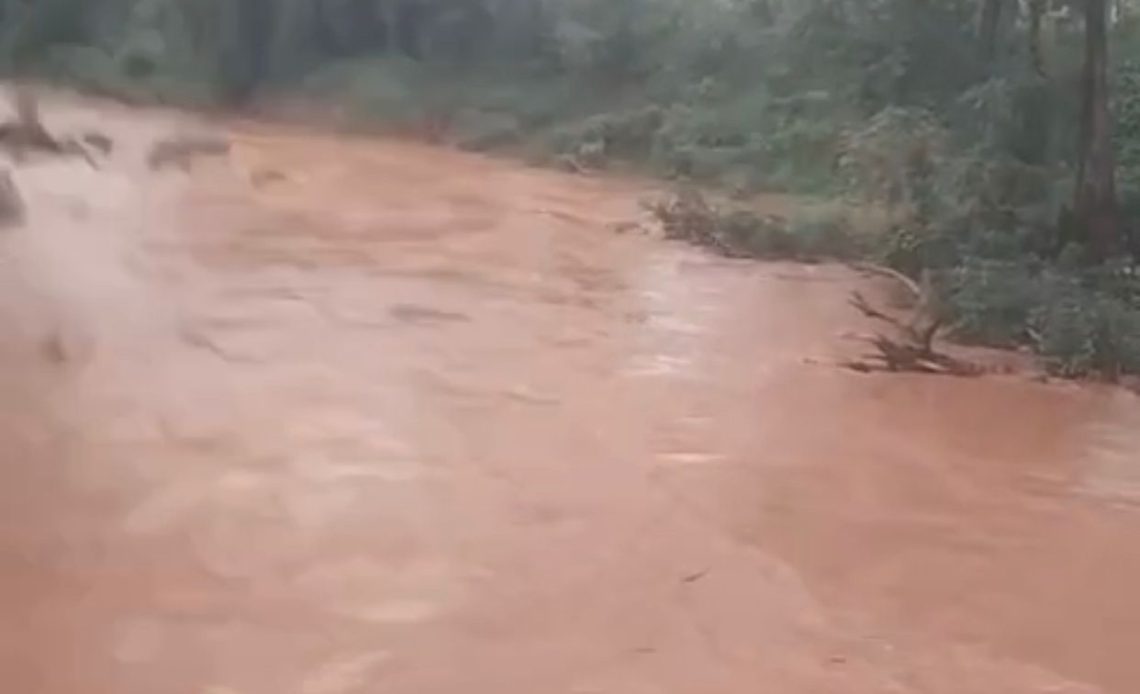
(1095, 206)
(1036, 11)
(988, 25)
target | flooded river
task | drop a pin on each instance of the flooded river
(340, 416)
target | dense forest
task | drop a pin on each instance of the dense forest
(1000, 137)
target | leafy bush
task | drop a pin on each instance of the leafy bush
(479, 130)
(689, 216)
(892, 158)
(1083, 329)
(1127, 132)
(992, 301)
(828, 234)
(1081, 322)
(619, 135)
(387, 90)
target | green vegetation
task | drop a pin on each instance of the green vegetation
(1000, 138)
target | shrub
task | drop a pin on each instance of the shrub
(1081, 322)
(737, 231)
(828, 234)
(479, 130)
(892, 159)
(1083, 330)
(992, 301)
(387, 90)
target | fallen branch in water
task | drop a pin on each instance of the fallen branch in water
(890, 273)
(914, 349)
(893, 355)
(923, 337)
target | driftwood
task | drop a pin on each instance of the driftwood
(889, 273)
(895, 355)
(917, 334)
(913, 349)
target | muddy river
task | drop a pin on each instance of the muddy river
(340, 416)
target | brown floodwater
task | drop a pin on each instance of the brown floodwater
(338, 416)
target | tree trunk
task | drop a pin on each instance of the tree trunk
(1095, 208)
(1036, 9)
(988, 25)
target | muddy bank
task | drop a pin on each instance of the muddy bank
(340, 415)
